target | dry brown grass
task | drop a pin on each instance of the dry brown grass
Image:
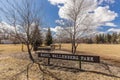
(12, 67)
(15, 69)
(11, 48)
(103, 50)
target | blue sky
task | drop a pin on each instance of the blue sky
(114, 7)
(51, 10)
(51, 13)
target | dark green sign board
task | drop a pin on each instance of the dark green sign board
(84, 58)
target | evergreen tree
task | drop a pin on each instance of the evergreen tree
(105, 38)
(97, 39)
(109, 37)
(90, 41)
(118, 38)
(100, 38)
(114, 38)
(49, 39)
(36, 39)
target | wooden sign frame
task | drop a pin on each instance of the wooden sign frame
(84, 58)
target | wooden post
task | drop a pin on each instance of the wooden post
(48, 61)
(80, 64)
(22, 47)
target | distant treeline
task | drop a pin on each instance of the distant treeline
(112, 38)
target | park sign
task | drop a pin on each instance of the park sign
(84, 58)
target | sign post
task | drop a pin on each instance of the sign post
(80, 58)
(48, 61)
(80, 64)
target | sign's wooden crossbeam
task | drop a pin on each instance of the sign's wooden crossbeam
(84, 58)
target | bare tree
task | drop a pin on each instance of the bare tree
(24, 16)
(61, 36)
(78, 20)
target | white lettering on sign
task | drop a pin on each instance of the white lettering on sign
(45, 55)
(87, 58)
(65, 57)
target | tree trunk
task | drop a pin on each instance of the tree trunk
(73, 43)
(22, 47)
(73, 47)
(30, 54)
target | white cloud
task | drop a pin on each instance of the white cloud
(55, 29)
(59, 22)
(100, 32)
(113, 30)
(107, 1)
(5, 26)
(110, 24)
(103, 14)
(64, 10)
(56, 2)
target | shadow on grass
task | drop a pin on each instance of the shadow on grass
(76, 70)
(1, 50)
(67, 69)
(113, 60)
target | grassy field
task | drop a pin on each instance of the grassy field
(13, 66)
(11, 48)
(109, 51)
